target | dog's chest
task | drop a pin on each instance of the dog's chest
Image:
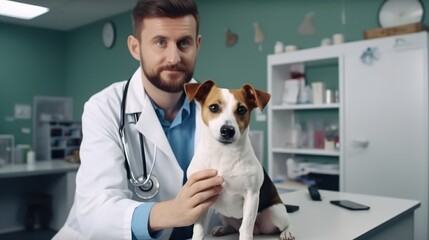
(241, 170)
(240, 183)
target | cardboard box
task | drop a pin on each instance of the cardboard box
(391, 31)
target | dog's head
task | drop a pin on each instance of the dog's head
(226, 112)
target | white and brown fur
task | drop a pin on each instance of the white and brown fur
(249, 201)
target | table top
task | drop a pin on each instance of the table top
(323, 220)
(38, 168)
(314, 219)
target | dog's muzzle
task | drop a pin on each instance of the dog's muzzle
(227, 133)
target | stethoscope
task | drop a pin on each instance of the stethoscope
(146, 186)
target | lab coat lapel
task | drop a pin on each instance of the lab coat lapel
(148, 124)
(135, 100)
(151, 128)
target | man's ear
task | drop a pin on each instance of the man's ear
(134, 47)
(199, 37)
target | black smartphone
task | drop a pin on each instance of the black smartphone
(291, 208)
(350, 205)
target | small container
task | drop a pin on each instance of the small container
(310, 134)
(329, 96)
(318, 92)
(278, 47)
(305, 95)
(31, 157)
(326, 42)
(338, 38)
(296, 134)
(291, 48)
(336, 96)
(319, 134)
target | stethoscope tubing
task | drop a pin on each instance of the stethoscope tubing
(148, 179)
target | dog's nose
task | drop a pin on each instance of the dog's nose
(227, 132)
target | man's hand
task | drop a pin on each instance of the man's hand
(196, 196)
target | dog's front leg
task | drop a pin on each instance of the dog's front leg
(199, 226)
(250, 211)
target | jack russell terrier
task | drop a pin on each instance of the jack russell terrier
(249, 201)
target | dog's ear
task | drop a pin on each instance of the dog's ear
(255, 98)
(198, 91)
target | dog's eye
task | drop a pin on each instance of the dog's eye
(214, 108)
(241, 110)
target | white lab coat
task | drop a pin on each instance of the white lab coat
(103, 205)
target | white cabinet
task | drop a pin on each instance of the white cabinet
(59, 139)
(296, 131)
(48, 109)
(382, 117)
(386, 121)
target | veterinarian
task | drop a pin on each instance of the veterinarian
(150, 107)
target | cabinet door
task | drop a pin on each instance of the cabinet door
(386, 120)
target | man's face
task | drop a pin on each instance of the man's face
(168, 50)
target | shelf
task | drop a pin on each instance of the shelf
(321, 56)
(59, 139)
(306, 151)
(319, 65)
(305, 106)
(290, 185)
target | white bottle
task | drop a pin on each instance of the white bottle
(310, 134)
(296, 134)
(278, 47)
(31, 157)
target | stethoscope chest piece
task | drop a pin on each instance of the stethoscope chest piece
(149, 189)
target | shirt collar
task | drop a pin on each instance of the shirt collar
(184, 112)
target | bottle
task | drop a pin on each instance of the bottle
(278, 47)
(31, 157)
(305, 94)
(310, 134)
(319, 135)
(296, 134)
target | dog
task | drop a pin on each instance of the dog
(249, 202)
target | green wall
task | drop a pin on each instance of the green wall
(90, 66)
(32, 63)
(44, 62)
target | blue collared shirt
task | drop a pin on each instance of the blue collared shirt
(181, 135)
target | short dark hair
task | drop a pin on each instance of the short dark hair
(162, 8)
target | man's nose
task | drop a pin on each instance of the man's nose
(173, 55)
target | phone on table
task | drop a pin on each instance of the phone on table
(350, 205)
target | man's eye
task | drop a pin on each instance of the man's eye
(161, 43)
(185, 43)
(214, 108)
(241, 110)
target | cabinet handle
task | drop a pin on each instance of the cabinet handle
(400, 42)
(404, 44)
(360, 143)
(369, 55)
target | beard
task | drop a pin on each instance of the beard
(169, 85)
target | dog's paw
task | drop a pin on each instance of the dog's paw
(197, 236)
(223, 230)
(287, 235)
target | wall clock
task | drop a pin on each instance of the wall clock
(108, 34)
(400, 12)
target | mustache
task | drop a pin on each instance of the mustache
(175, 67)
